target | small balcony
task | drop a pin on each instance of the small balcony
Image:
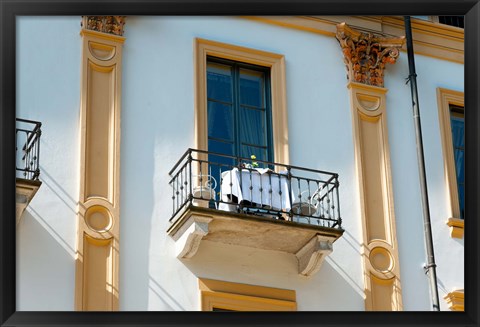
(27, 152)
(253, 203)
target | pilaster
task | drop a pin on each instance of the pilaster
(366, 57)
(98, 231)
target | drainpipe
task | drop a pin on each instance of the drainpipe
(430, 267)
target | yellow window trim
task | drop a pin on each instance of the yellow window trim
(457, 227)
(244, 297)
(456, 300)
(446, 98)
(275, 62)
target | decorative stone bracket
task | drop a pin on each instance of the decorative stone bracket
(188, 243)
(308, 243)
(25, 191)
(366, 54)
(311, 256)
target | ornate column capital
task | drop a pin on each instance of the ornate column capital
(105, 24)
(366, 54)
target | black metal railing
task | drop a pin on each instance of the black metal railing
(27, 136)
(254, 187)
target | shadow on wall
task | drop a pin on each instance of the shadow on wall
(136, 209)
(58, 190)
(37, 272)
(347, 295)
(330, 289)
(168, 300)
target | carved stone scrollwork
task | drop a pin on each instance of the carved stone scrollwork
(366, 54)
(105, 24)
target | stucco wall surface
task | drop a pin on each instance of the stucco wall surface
(48, 90)
(157, 127)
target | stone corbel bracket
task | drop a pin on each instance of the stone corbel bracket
(25, 191)
(188, 238)
(311, 256)
(366, 54)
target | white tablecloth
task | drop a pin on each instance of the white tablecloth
(261, 182)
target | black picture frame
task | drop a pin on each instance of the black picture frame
(10, 9)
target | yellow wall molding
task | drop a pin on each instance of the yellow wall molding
(275, 62)
(244, 297)
(445, 98)
(456, 300)
(97, 253)
(372, 160)
(457, 226)
(430, 38)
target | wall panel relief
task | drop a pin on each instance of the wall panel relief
(97, 253)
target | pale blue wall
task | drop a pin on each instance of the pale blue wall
(431, 74)
(48, 90)
(158, 109)
(157, 127)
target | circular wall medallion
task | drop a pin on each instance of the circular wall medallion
(381, 260)
(98, 218)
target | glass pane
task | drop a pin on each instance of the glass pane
(461, 200)
(220, 121)
(251, 88)
(247, 151)
(460, 165)
(221, 147)
(458, 131)
(219, 164)
(219, 82)
(253, 129)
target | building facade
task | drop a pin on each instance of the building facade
(236, 163)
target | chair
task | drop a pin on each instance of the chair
(304, 205)
(205, 191)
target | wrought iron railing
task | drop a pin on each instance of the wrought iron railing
(27, 135)
(254, 187)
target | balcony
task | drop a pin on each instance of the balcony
(253, 203)
(27, 152)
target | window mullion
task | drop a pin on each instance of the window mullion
(236, 107)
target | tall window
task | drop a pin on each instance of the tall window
(457, 121)
(238, 110)
(458, 21)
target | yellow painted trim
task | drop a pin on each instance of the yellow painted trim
(429, 38)
(244, 297)
(275, 62)
(372, 160)
(456, 300)
(97, 249)
(103, 36)
(445, 98)
(457, 227)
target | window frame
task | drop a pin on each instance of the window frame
(447, 98)
(275, 62)
(244, 297)
(236, 67)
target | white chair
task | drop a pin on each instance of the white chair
(304, 205)
(204, 191)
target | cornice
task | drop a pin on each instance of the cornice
(430, 39)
